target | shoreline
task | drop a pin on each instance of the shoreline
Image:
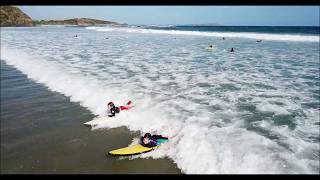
(48, 135)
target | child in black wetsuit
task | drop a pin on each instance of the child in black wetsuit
(112, 109)
(150, 141)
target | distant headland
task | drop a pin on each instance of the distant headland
(11, 16)
(76, 22)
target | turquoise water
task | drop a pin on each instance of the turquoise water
(255, 110)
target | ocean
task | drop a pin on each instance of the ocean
(254, 110)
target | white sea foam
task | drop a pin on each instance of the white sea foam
(57, 78)
(261, 36)
(206, 107)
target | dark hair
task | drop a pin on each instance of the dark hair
(110, 103)
(147, 135)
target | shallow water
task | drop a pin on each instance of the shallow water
(252, 111)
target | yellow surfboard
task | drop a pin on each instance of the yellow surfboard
(135, 149)
(132, 150)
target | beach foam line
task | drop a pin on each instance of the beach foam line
(260, 36)
(59, 79)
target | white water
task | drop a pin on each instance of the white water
(260, 36)
(197, 98)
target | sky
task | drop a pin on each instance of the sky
(157, 15)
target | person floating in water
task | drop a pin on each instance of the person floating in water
(150, 141)
(259, 41)
(223, 38)
(75, 36)
(112, 109)
(210, 48)
(232, 50)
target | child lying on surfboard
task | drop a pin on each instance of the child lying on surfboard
(112, 109)
(150, 141)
